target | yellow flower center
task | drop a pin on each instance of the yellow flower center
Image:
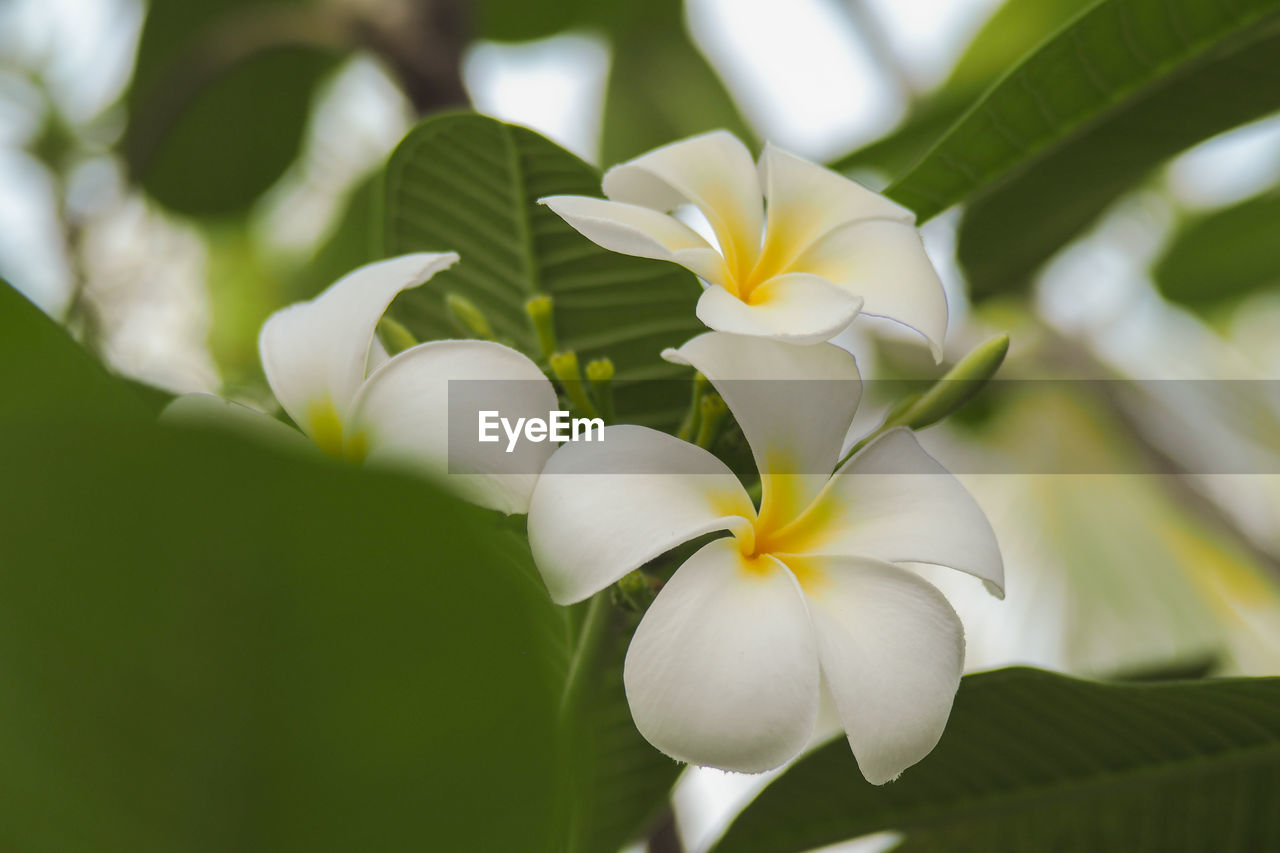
(780, 251)
(780, 533)
(326, 430)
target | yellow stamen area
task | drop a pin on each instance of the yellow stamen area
(325, 427)
(781, 496)
(774, 260)
(758, 566)
(806, 570)
(729, 502)
(810, 530)
(731, 233)
(808, 573)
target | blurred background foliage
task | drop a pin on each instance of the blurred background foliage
(1099, 178)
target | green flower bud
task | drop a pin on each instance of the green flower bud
(469, 320)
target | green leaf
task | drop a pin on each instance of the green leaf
(661, 88)
(1032, 760)
(217, 647)
(44, 373)
(220, 99)
(1217, 258)
(619, 783)
(525, 20)
(1081, 120)
(214, 648)
(468, 183)
(1015, 29)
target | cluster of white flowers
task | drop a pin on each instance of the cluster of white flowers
(811, 592)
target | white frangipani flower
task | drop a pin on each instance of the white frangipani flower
(825, 249)
(727, 666)
(330, 372)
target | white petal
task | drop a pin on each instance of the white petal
(316, 354)
(601, 510)
(892, 650)
(894, 502)
(723, 669)
(208, 410)
(796, 308)
(884, 263)
(794, 404)
(807, 200)
(714, 172)
(640, 231)
(407, 411)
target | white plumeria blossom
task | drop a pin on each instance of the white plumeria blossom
(332, 375)
(728, 664)
(826, 249)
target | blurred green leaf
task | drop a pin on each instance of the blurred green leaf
(661, 88)
(44, 373)
(220, 98)
(470, 184)
(1190, 669)
(212, 647)
(215, 647)
(1218, 257)
(1082, 119)
(1015, 29)
(620, 784)
(1032, 760)
(525, 20)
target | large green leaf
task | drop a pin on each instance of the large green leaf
(468, 183)
(220, 98)
(619, 783)
(45, 374)
(524, 20)
(1216, 258)
(1015, 29)
(1081, 120)
(661, 88)
(213, 646)
(1037, 761)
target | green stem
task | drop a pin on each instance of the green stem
(714, 410)
(693, 417)
(590, 639)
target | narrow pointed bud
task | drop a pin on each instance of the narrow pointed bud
(954, 389)
(600, 375)
(539, 309)
(469, 320)
(693, 417)
(564, 366)
(395, 337)
(712, 410)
